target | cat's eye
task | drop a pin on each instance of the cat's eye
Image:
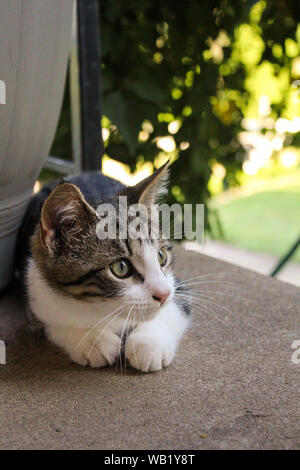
(121, 268)
(162, 256)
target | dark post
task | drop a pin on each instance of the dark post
(89, 70)
(285, 259)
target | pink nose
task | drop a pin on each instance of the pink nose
(161, 297)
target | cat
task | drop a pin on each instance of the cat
(90, 294)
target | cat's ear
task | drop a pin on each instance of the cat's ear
(148, 190)
(64, 213)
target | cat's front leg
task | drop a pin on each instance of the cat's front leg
(87, 347)
(152, 345)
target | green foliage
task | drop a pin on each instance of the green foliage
(161, 62)
(197, 63)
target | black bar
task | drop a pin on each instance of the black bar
(285, 259)
(89, 71)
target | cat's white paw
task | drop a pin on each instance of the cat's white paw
(147, 353)
(97, 352)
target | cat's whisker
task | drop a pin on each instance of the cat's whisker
(98, 324)
(210, 313)
(130, 329)
(141, 311)
(143, 307)
(188, 284)
(200, 294)
(101, 333)
(122, 333)
(203, 306)
(134, 351)
(206, 299)
(203, 310)
(200, 276)
(219, 293)
(119, 360)
(137, 302)
(190, 306)
(200, 308)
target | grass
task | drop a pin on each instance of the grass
(267, 221)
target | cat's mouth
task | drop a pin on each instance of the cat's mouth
(146, 310)
(141, 311)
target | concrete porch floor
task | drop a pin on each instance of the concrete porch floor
(232, 385)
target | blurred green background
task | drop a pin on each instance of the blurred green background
(215, 86)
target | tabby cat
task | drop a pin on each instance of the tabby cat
(96, 298)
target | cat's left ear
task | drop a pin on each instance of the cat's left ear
(148, 190)
(65, 212)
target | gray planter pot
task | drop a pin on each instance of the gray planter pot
(34, 48)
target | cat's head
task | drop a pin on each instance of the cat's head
(77, 263)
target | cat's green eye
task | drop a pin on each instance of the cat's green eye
(121, 268)
(162, 256)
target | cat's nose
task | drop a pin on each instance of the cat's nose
(161, 297)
